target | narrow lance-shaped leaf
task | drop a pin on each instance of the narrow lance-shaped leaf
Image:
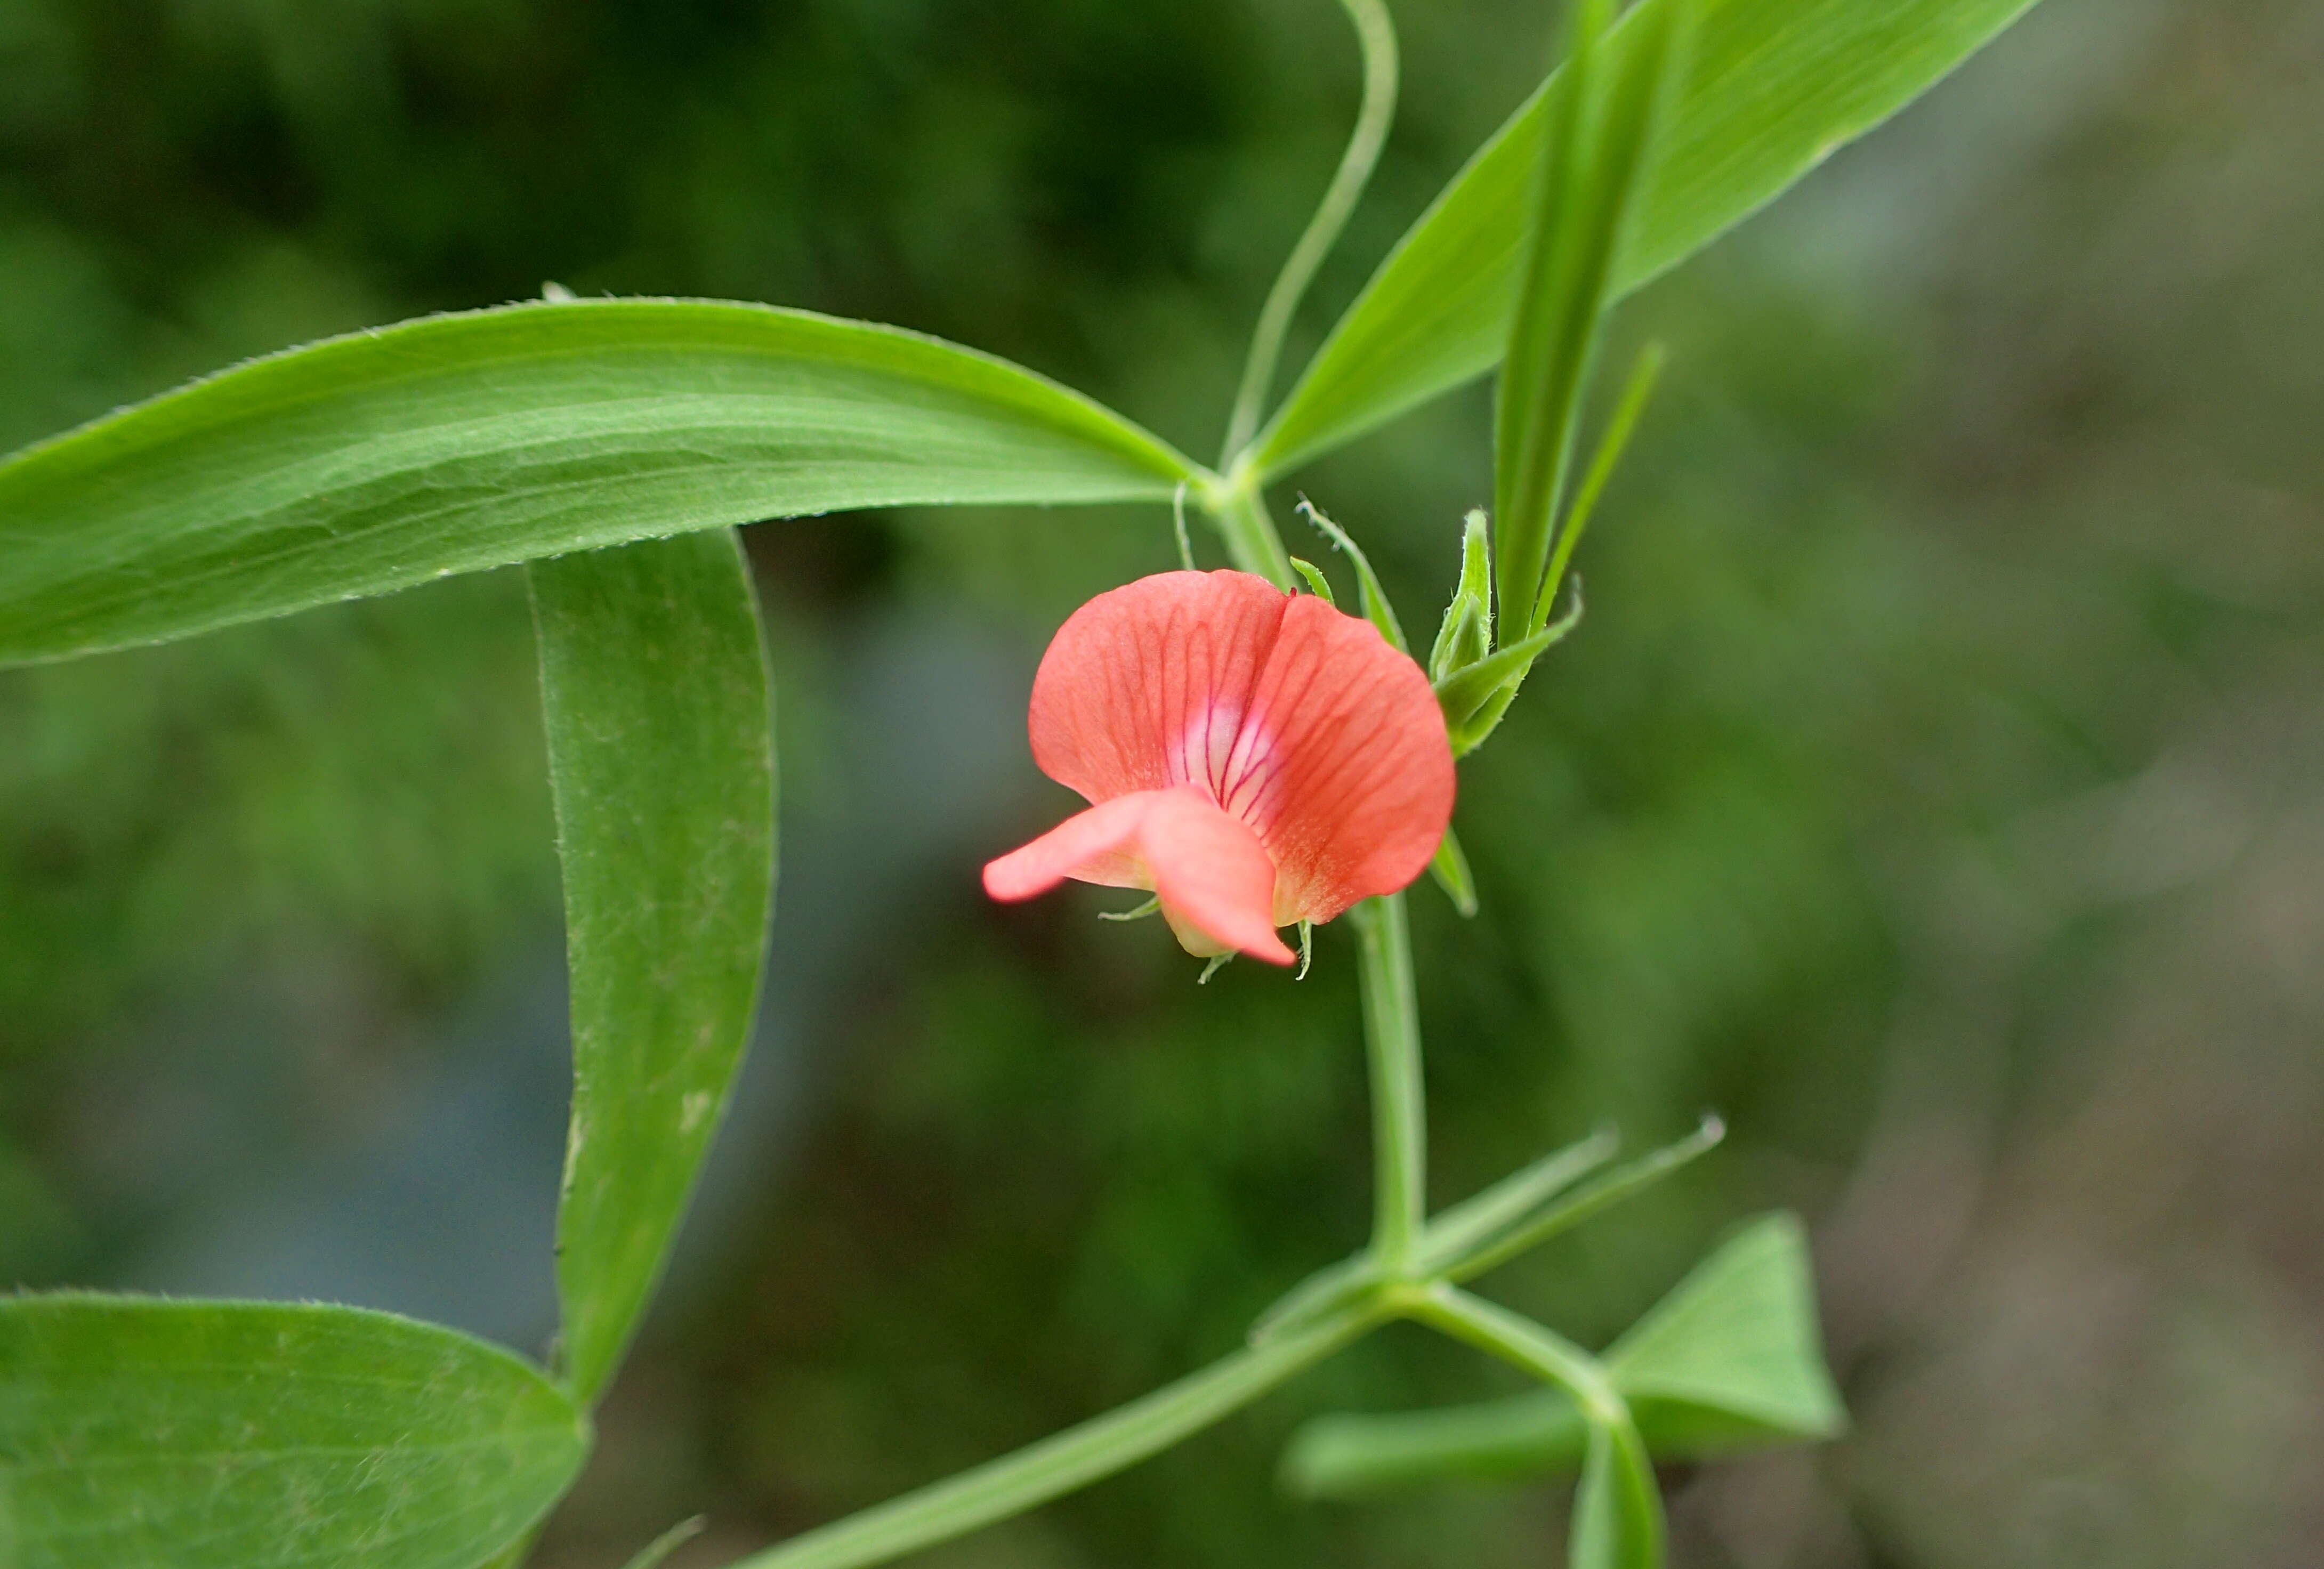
(1772, 88)
(653, 684)
(1456, 1233)
(377, 461)
(1599, 155)
(1564, 1210)
(1561, 288)
(137, 1433)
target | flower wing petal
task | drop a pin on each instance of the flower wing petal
(1096, 845)
(1143, 686)
(1344, 767)
(1211, 872)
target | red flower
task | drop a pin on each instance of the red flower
(1253, 758)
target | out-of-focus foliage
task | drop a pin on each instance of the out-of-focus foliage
(1936, 787)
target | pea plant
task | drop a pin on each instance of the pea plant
(1255, 757)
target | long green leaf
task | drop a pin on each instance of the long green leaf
(383, 459)
(137, 1433)
(1587, 194)
(1772, 88)
(654, 686)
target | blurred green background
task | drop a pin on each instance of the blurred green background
(1937, 787)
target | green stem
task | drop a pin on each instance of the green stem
(1618, 1511)
(1399, 1106)
(1253, 542)
(1539, 1351)
(1375, 36)
(1065, 1461)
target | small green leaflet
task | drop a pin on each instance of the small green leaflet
(137, 1433)
(377, 461)
(1344, 1456)
(1737, 1341)
(654, 688)
(1730, 1359)
(1618, 1511)
(1773, 87)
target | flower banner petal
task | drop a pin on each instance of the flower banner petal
(1346, 770)
(1143, 687)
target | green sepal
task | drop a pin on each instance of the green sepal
(1464, 691)
(1465, 635)
(1471, 732)
(1369, 593)
(1450, 867)
(1317, 582)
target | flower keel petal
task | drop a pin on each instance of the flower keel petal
(1214, 877)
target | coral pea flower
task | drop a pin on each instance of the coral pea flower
(1252, 758)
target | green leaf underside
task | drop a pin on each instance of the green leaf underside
(654, 689)
(1771, 89)
(369, 463)
(251, 1435)
(1729, 1361)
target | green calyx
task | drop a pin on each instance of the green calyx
(1466, 635)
